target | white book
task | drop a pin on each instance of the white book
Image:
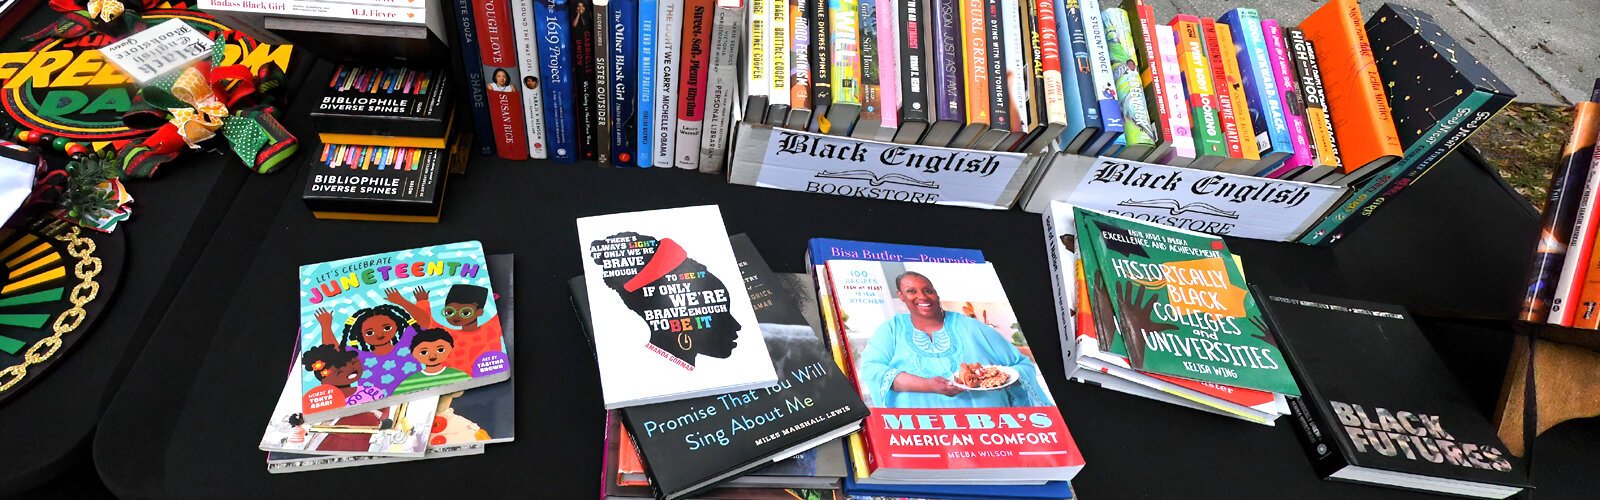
(323, 10)
(757, 86)
(669, 39)
(1017, 72)
(778, 71)
(888, 69)
(721, 86)
(670, 317)
(283, 463)
(528, 82)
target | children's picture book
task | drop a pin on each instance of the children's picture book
(382, 329)
(670, 317)
(940, 358)
(402, 430)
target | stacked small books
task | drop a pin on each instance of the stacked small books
(388, 145)
(707, 360)
(378, 380)
(343, 30)
(1164, 314)
(959, 408)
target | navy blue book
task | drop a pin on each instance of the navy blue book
(624, 80)
(555, 53)
(1070, 25)
(472, 64)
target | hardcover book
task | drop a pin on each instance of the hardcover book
(1182, 153)
(1362, 120)
(800, 47)
(624, 48)
(471, 66)
(1232, 100)
(1078, 81)
(692, 445)
(603, 72)
(586, 89)
(401, 430)
(530, 63)
(694, 82)
(385, 106)
(721, 86)
(912, 70)
(497, 47)
(780, 100)
(645, 96)
(1260, 85)
(666, 325)
(1380, 407)
(936, 343)
(1325, 149)
(888, 26)
(871, 119)
(948, 95)
(372, 337)
(1290, 96)
(757, 88)
(1000, 132)
(1142, 24)
(1104, 87)
(555, 64)
(1179, 304)
(380, 182)
(1210, 146)
(821, 60)
(1139, 134)
(1049, 97)
(974, 39)
(844, 56)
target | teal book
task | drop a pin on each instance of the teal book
(1179, 303)
(383, 329)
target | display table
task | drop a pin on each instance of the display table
(191, 411)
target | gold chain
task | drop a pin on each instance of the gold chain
(85, 291)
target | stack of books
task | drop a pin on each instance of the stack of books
(718, 383)
(424, 372)
(1563, 282)
(388, 143)
(343, 30)
(959, 407)
(1164, 314)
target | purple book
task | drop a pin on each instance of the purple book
(949, 109)
(1289, 96)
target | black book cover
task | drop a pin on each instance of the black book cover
(913, 62)
(1376, 395)
(821, 45)
(583, 37)
(686, 443)
(385, 101)
(999, 92)
(381, 179)
(1426, 72)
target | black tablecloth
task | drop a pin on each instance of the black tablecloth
(192, 410)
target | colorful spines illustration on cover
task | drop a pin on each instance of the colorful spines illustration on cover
(940, 359)
(384, 328)
(1182, 305)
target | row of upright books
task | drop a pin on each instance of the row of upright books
(846, 382)
(1563, 286)
(394, 376)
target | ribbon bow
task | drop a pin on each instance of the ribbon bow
(207, 100)
(81, 17)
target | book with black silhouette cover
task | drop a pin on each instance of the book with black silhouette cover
(670, 321)
(692, 445)
(1379, 406)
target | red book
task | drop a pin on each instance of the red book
(1230, 125)
(696, 70)
(498, 51)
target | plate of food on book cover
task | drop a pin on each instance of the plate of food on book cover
(58, 278)
(982, 377)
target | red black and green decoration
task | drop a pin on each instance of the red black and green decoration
(82, 17)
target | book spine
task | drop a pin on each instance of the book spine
(867, 48)
(645, 84)
(723, 77)
(1105, 84)
(995, 58)
(601, 20)
(1325, 151)
(1034, 119)
(949, 92)
(779, 102)
(888, 45)
(975, 62)
(800, 47)
(1052, 80)
(1080, 69)
(1289, 94)
(555, 43)
(1230, 83)
(670, 42)
(1227, 110)
(1015, 70)
(495, 45)
(585, 90)
(1150, 76)
(1566, 306)
(756, 86)
(845, 55)
(1560, 212)
(1586, 307)
(472, 66)
(1440, 140)
(1365, 127)
(624, 45)
(913, 64)
(325, 10)
(528, 66)
(821, 62)
(1202, 96)
(1255, 68)
(1177, 106)
(701, 14)
(1137, 129)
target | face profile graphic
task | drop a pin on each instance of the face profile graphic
(657, 279)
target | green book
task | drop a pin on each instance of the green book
(1180, 304)
(1137, 130)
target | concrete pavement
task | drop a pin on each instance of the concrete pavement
(1548, 51)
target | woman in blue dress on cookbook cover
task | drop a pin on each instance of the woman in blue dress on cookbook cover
(908, 360)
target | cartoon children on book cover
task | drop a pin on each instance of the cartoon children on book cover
(398, 323)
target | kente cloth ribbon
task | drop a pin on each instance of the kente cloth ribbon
(81, 17)
(207, 100)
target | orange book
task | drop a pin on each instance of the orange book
(975, 62)
(1362, 122)
(630, 470)
(1587, 314)
(1229, 82)
(1227, 109)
